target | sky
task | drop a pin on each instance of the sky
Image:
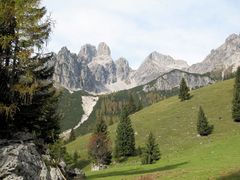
(183, 29)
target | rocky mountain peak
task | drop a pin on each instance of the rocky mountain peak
(96, 65)
(225, 58)
(154, 65)
(165, 60)
(65, 56)
(103, 49)
(87, 53)
(64, 50)
(232, 37)
(122, 62)
(154, 55)
(123, 69)
(159, 57)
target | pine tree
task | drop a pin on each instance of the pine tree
(99, 147)
(236, 98)
(7, 33)
(125, 140)
(151, 152)
(28, 98)
(183, 91)
(202, 125)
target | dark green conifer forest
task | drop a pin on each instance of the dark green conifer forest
(28, 100)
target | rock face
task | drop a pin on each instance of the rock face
(155, 65)
(123, 69)
(172, 79)
(87, 53)
(103, 50)
(94, 70)
(225, 58)
(71, 72)
(20, 160)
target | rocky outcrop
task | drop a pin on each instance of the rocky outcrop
(223, 59)
(154, 65)
(172, 79)
(21, 160)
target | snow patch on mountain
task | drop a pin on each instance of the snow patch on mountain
(88, 103)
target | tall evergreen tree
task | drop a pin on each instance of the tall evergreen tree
(125, 139)
(151, 152)
(99, 147)
(203, 127)
(28, 98)
(236, 98)
(183, 91)
(7, 33)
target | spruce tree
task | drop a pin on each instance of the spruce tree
(203, 127)
(28, 98)
(183, 91)
(151, 152)
(125, 139)
(236, 98)
(99, 147)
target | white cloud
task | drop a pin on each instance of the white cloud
(185, 29)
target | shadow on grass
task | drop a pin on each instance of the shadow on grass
(232, 176)
(135, 171)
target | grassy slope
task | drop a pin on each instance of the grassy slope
(184, 155)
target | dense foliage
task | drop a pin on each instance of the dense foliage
(125, 139)
(59, 153)
(28, 100)
(151, 152)
(203, 127)
(183, 91)
(99, 147)
(236, 97)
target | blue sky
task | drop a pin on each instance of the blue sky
(183, 29)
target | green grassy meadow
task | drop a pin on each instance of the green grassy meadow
(185, 155)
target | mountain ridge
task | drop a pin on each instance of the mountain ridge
(94, 70)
